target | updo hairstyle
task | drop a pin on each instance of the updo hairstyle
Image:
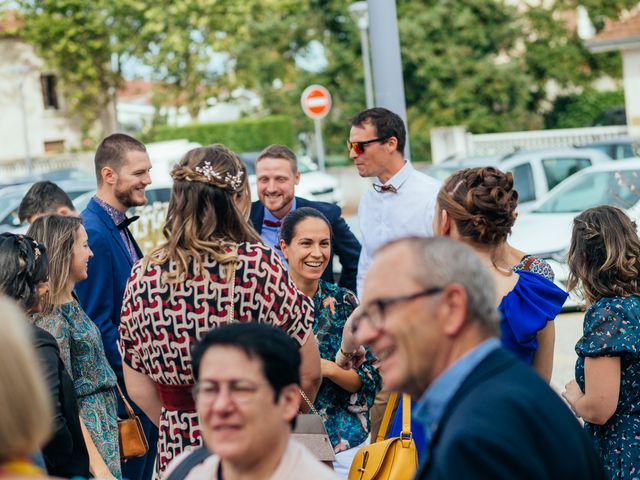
(481, 202)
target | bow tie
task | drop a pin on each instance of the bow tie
(384, 188)
(271, 223)
(127, 221)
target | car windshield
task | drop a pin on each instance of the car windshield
(617, 188)
(441, 172)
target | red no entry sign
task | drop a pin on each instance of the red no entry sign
(316, 101)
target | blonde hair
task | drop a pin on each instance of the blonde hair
(202, 218)
(58, 234)
(25, 410)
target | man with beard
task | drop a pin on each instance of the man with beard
(277, 175)
(122, 168)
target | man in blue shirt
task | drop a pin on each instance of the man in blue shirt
(429, 314)
(277, 176)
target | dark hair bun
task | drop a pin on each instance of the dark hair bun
(482, 202)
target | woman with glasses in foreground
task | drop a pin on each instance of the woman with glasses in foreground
(345, 396)
(604, 264)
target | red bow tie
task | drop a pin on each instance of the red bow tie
(271, 223)
(384, 188)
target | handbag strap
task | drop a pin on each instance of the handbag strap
(306, 399)
(232, 291)
(406, 415)
(386, 417)
(127, 405)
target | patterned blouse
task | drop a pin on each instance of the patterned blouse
(530, 263)
(612, 329)
(345, 414)
(161, 322)
(83, 355)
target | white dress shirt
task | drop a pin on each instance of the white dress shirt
(386, 216)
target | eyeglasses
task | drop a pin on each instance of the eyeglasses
(374, 313)
(240, 391)
(358, 147)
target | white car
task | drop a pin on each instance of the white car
(545, 231)
(535, 172)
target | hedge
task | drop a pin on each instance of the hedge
(245, 135)
(582, 110)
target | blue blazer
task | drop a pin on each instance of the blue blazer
(505, 422)
(101, 293)
(345, 245)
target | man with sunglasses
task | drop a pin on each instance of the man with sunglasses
(402, 200)
(434, 329)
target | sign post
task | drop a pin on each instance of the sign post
(316, 104)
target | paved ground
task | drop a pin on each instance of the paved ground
(568, 331)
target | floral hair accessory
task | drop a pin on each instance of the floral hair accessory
(206, 173)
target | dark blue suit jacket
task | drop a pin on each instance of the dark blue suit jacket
(505, 422)
(345, 245)
(101, 293)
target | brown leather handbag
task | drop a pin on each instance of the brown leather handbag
(133, 442)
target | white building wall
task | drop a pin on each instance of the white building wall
(20, 65)
(631, 69)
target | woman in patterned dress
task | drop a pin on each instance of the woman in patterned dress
(345, 396)
(211, 270)
(604, 264)
(79, 339)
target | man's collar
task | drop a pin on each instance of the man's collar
(270, 216)
(433, 402)
(116, 215)
(400, 176)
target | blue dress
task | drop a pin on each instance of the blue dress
(93, 379)
(525, 310)
(345, 414)
(612, 328)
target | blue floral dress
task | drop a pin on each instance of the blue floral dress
(612, 328)
(94, 381)
(345, 414)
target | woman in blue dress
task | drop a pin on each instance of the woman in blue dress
(79, 339)
(604, 264)
(345, 396)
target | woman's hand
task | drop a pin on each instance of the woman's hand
(352, 360)
(347, 379)
(572, 394)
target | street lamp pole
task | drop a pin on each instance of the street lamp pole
(359, 12)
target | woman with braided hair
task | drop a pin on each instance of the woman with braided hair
(478, 206)
(211, 270)
(604, 265)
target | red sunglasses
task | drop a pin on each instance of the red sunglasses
(358, 147)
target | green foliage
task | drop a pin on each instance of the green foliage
(582, 110)
(245, 135)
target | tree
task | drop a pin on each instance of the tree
(76, 41)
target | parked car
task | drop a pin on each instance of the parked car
(535, 172)
(10, 198)
(616, 148)
(545, 231)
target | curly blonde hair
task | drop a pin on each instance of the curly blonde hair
(604, 256)
(202, 218)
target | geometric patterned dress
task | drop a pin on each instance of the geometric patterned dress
(83, 355)
(161, 321)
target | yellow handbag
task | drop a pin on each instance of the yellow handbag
(392, 459)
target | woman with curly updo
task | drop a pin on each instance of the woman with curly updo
(211, 270)
(604, 264)
(478, 206)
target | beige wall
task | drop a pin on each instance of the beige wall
(631, 69)
(43, 125)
